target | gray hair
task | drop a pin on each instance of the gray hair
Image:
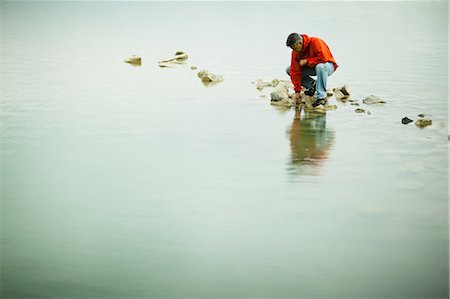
(293, 38)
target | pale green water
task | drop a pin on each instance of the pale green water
(125, 182)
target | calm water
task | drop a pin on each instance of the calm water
(140, 182)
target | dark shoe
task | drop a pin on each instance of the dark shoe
(319, 102)
(311, 91)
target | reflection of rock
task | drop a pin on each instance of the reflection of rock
(424, 122)
(406, 120)
(207, 76)
(370, 100)
(178, 58)
(342, 93)
(135, 60)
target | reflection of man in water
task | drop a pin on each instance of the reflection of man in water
(310, 142)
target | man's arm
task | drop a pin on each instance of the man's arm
(296, 71)
(320, 49)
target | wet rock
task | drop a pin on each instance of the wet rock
(286, 102)
(330, 93)
(354, 104)
(421, 115)
(135, 60)
(359, 110)
(423, 122)
(342, 93)
(193, 67)
(370, 100)
(207, 76)
(281, 91)
(179, 57)
(274, 82)
(260, 84)
(353, 101)
(406, 120)
(307, 102)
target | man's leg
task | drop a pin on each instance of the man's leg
(323, 70)
(307, 81)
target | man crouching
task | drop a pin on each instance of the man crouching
(310, 57)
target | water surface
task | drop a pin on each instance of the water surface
(141, 182)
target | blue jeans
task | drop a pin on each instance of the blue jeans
(322, 71)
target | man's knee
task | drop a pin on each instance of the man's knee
(288, 70)
(320, 68)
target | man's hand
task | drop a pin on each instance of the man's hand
(303, 62)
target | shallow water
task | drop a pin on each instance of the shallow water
(141, 182)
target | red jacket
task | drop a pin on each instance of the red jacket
(315, 51)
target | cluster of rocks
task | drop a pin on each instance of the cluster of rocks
(422, 122)
(281, 97)
(179, 57)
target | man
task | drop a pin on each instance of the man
(310, 57)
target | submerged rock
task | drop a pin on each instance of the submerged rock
(207, 76)
(424, 122)
(193, 67)
(406, 120)
(370, 100)
(135, 60)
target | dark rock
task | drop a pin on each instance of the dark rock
(406, 120)
(421, 115)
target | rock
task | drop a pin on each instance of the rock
(421, 115)
(353, 101)
(359, 110)
(329, 93)
(354, 104)
(370, 100)
(368, 112)
(406, 120)
(178, 58)
(424, 122)
(193, 67)
(449, 137)
(280, 92)
(136, 60)
(342, 93)
(286, 102)
(260, 84)
(206, 76)
(274, 82)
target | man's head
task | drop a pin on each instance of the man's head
(295, 42)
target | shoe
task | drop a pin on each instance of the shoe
(319, 102)
(311, 91)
